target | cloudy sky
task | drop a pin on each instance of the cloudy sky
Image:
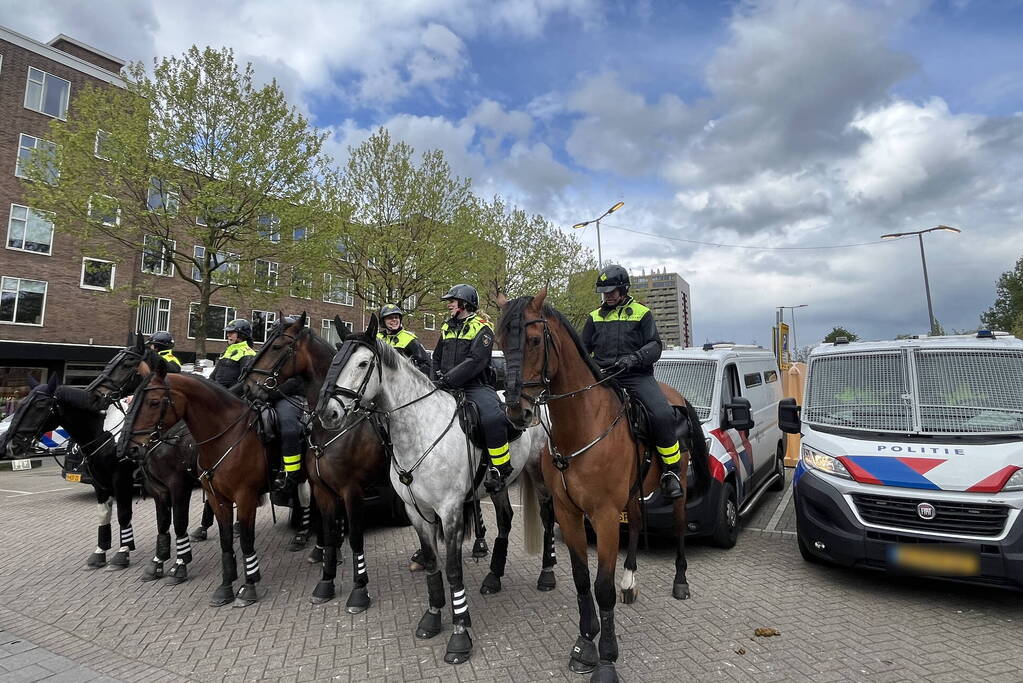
(771, 127)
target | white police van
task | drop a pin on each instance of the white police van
(735, 390)
(912, 456)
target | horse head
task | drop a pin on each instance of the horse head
(354, 380)
(153, 411)
(120, 377)
(37, 413)
(530, 355)
(284, 355)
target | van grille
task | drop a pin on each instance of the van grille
(965, 519)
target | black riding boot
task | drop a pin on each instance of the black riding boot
(671, 482)
(496, 477)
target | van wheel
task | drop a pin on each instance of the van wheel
(726, 531)
(779, 468)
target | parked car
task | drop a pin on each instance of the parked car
(735, 390)
(912, 456)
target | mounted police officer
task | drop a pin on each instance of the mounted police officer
(622, 338)
(163, 343)
(288, 401)
(404, 342)
(462, 361)
(237, 356)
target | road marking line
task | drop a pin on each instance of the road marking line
(781, 509)
(18, 494)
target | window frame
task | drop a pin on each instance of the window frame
(10, 220)
(167, 197)
(96, 145)
(103, 221)
(163, 259)
(432, 317)
(157, 300)
(42, 93)
(770, 376)
(113, 275)
(14, 316)
(17, 160)
(298, 276)
(349, 291)
(269, 320)
(227, 319)
(273, 267)
(233, 267)
(273, 233)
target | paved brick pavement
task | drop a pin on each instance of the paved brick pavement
(835, 625)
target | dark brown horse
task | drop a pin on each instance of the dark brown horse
(232, 462)
(595, 469)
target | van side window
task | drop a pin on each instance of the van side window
(752, 379)
(730, 386)
(770, 376)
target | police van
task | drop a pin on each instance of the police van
(912, 456)
(735, 390)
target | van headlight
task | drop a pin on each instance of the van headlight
(1015, 482)
(823, 462)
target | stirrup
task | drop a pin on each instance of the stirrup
(671, 485)
(494, 481)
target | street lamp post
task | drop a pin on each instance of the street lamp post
(597, 221)
(792, 330)
(923, 261)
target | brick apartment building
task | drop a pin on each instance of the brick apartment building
(64, 311)
(667, 295)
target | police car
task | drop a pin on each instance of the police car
(912, 457)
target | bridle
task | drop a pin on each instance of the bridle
(117, 389)
(156, 433)
(273, 374)
(329, 390)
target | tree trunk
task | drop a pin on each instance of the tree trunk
(203, 308)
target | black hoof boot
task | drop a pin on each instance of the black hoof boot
(198, 534)
(417, 562)
(96, 561)
(153, 571)
(298, 542)
(177, 574)
(605, 673)
(118, 562)
(222, 596)
(480, 549)
(315, 555)
(546, 581)
(429, 625)
(358, 600)
(680, 591)
(324, 592)
(583, 659)
(246, 596)
(459, 648)
(491, 584)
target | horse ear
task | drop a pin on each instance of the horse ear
(140, 341)
(502, 300)
(302, 320)
(540, 297)
(371, 329)
(51, 386)
(32, 382)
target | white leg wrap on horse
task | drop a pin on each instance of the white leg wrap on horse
(104, 511)
(628, 580)
(304, 495)
(184, 546)
(360, 563)
(458, 602)
(251, 565)
(127, 536)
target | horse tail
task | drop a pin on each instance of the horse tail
(533, 525)
(698, 449)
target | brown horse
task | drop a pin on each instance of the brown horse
(232, 461)
(595, 468)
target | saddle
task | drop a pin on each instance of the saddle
(469, 421)
(267, 424)
(639, 421)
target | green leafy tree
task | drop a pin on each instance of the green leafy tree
(837, 332)
(1007, 312)
(206, 175)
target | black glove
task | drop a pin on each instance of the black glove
(441, 383)
(625, 363)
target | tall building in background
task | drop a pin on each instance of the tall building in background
(667, 295)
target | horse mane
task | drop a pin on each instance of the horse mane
(389, 356)
(512, 319)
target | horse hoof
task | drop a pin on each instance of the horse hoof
(178, 574)
(118, 562)
(324, 592)
(480, 549)
(96, 561)
(223, 595)
(247, 595)
(358, 600)
(198, 534)
(459, 648)
(298, 542)
(429, 625)
(491, 584)
(415, 567)
(153, 571)
(680, 591)
(315, 555)
(546, 581)
(605, 673)
(583, 659)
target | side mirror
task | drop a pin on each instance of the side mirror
(738, 415)
(788, 416)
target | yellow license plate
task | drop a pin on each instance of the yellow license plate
(73, 477)
(940, 561)
(623, 517)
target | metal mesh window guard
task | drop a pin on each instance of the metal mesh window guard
(970, 392)
(861, 391)
(695, 381)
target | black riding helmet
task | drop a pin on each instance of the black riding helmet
(242, 327)
(613, 277)
(162, 340)
(466, 294)
(390, 309)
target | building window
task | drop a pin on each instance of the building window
(79, 373)
(47, 151)
(104, 209)
(266, 275)
(262, 321)
(301, 285)
(226, 266)
(269, 227)
(97, 274)
(161, 197)
(157, 256)
(217, 318)
(29, 230)
(410, 303)
(153, 315)
(429, 321)
(100, 147)
(338, 290)
(371, 297)
(301, 234)
(22, 301)
(46, 93)
(343, 251)
(329, 332)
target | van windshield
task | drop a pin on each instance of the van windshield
(925, 391)
(693, 379)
